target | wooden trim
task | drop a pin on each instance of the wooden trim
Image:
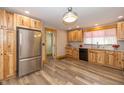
(50, 29)
(101, 27)
(54, 31)
(61, 57)
(75, 29)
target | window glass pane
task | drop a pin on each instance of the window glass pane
(102, 37)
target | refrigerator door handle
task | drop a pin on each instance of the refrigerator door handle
(20, 43)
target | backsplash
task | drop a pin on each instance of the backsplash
(77, 45)
(121, 43)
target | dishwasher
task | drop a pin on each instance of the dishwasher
(83, 54)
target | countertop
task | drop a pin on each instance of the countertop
(119, 50)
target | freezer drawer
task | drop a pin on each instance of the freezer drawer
(29, 65)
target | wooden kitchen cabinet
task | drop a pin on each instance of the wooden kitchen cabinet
(1, 54)
(22, 21)
(2, 18)
(27, 22)
(70, 36)
(75, 36)
(80, 35)
(35, 24)
(7, 53)
(114, 59)
(110, 58)
(92, 56)
(69, 52)
(10, 53)
(72, 53)
(6, 20)
(119, 60)
(76, 54)
(120, 30)
(100, 57)
(9, 20)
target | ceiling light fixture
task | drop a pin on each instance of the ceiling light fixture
(70, 16)
(27, 12)
(120, 17)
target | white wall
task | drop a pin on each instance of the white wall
(61, 42)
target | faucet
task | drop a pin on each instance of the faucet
(98, 45)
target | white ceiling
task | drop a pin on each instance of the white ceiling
(88, 16)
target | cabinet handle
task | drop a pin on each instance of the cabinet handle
(1, 54)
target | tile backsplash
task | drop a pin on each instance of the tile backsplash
(77, 45)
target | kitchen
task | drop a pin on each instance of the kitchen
(89, 52)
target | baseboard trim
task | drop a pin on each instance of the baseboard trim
(61, 57)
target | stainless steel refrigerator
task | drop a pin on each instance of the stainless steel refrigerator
(28, 51)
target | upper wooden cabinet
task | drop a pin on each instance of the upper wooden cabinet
(22, 21)
(120, 30)
(27, 22)
(75, 36)
(1, 18)
(35, 24)
(6, 19)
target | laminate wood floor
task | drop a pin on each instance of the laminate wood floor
(70, 72)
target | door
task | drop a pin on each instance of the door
(1, 55)
(29, 43)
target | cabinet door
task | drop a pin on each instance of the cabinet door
(94, 57)
(120, 31)
(1, 18)
(35, 24)
(22, 21)
(100, 57)
(79, 35)
(118, 63)
(1, 55)
(9, 20)
(110, 58)
(10, 53)
(70, 36)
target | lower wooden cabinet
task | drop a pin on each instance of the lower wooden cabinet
(100, 57)
(92, 56)
(108, 58)
(76, 54)
(96, 56)
(10, 64)
(72, 53)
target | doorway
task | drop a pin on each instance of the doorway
(50, 44)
